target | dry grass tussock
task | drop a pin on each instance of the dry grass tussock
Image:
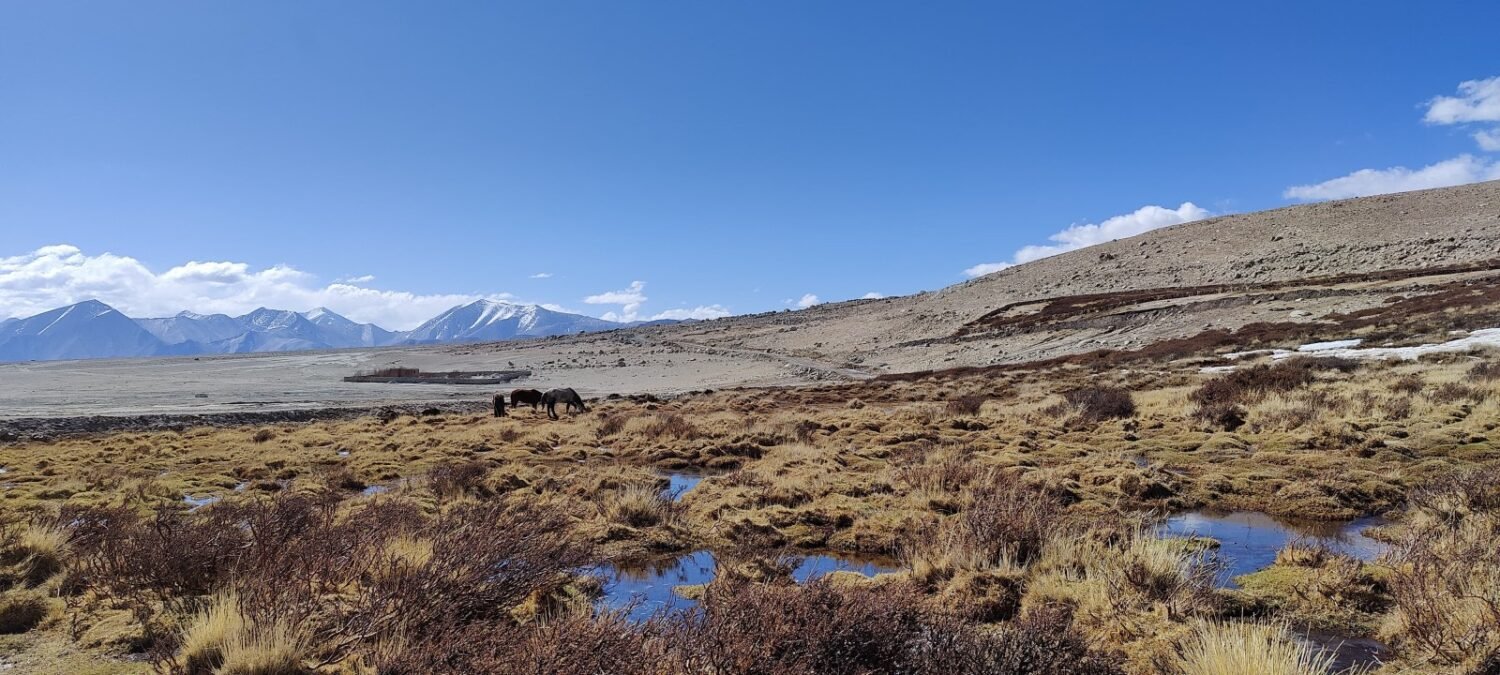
(1002, 505)
(1249, 649)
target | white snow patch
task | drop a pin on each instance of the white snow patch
(1489, 337)
(1332, 344)
(1254, 352)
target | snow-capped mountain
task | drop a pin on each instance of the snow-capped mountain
(190, 327)
(87, 330)
(342, 332)
(92, 329)
(267, 330)
(495, 320)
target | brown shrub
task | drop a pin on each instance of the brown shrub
(668, 425)
(966, 405)
(455, 479)
(1098, 403)
(1453, 392)
(1218, 401)
(611, 425)
(285, 559)
(1410, 383)
(21, 611)
(1007, 519)
(1396, 408)
(1222, 414)
(262, 435)
(774, 628)
(1487, 371)
(1445, 580)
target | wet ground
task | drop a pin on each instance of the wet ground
(646, 589)
(1249, 541)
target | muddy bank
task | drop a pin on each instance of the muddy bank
(49, 428)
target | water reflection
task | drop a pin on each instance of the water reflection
(1249, 540)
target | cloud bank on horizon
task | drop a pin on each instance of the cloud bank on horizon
(62, 274)
(1074, 237)
(1477, 107)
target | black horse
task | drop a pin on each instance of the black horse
(522, 397)
(569, 398)
(499, 405)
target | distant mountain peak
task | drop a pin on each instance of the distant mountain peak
(93, 329)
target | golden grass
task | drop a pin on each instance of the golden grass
(808, 469)
(219, 639)
(1249, 649)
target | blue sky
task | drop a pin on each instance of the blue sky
(729, 156)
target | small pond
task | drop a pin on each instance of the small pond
(680, 482)
(646, 588)
(195, 503)
(1348, 652)
(1248, 541)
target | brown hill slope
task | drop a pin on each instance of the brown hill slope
(1295, 264)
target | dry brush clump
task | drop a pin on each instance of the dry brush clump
(1220, 402)
(1445, 574)
(780, 627)
(292, 582)
(1248, 649)
(1097, 403)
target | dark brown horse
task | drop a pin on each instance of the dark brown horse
(499, 405)
(522, 397)
(569, 398)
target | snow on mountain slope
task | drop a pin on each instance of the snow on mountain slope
(190, 327)
(495, 320)
(94, 330)
(342, 332)
(89, 329)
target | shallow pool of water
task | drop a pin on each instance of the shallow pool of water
(647, 588)
(1348, 652)
(1248, 541)
(195, 503)
(679, 483)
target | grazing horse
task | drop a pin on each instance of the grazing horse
(529, 397)
(569, 398)
(499, 405)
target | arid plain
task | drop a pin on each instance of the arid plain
(1014, 474)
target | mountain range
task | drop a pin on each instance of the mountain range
(92, 329)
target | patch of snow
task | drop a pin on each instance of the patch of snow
(1489, 337)
(195, 503)
(1332, 344)
(1217, 369)
(1254, 352)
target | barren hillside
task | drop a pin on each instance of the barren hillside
(1295, 264)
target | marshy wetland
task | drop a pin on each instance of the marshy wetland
(1299, 515)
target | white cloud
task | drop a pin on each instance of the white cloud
(1488, 139)
(630, 300)
(1141, 220)
(872, 295)
(1457, 171)
(361, 279)
(986, 268)
(808, 300)
(541, 275)
(53, 276)
(1477, 101)
(702, 312)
